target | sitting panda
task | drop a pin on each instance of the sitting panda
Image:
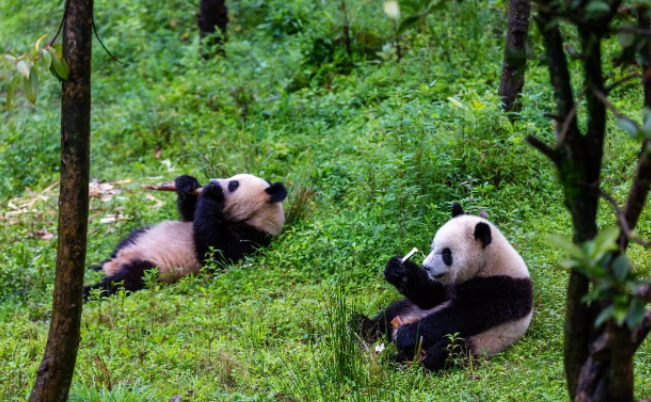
(226, 221)
(472, 283)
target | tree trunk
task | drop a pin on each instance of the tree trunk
(213, 14)
(515, 54)
(54, 375)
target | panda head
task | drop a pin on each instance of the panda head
(460, 248)
(255, 201)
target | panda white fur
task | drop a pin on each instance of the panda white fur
(473, 283)
(228, 220)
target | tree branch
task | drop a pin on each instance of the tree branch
(559, 72)
(623, 222)
(621, 81)
(542, 147)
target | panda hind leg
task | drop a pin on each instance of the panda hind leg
(445, 354)
(129, 276)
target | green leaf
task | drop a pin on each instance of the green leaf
(46, 58)
(619, 313)
(457, 103)
(570, 263)
(621, 267)
(23, 68)
(646, 125)
(59, 66)
(31, 86)
(635, 314)
(626, 39)
(566, 245)
(605, 241)
(58, 47)
(11, 91)
(596, 8)
(629, 126)
(10, 57)
(604, 316)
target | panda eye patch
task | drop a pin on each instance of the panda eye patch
(446, 254)
(233, 185)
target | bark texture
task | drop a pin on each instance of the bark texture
(515, 60)
(55, 372)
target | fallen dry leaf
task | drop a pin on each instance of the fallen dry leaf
(44, 234)
(109, 219)
(150, 197)
(103, 191)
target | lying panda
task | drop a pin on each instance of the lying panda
(473, 283)
(228, 220)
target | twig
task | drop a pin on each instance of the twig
(65, 12)
(566, 123)
(621, 81)
(622, 220)
(554, 117)
(169, 186)
(542, 147)
(638, 31)
(600, 95)
(102, 43)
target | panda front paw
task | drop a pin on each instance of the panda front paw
(395, 272)
(213, 191)
(186, 184)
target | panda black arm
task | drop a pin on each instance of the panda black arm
(414, 283)
(475, 306)
(212, 230)
(186, 202)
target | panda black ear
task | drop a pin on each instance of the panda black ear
(277, 192)
(457, 209)
(483, 233)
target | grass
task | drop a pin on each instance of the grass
(374, 153)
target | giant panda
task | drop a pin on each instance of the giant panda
(473, 283)
(226, 221)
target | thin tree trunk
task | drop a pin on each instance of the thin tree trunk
(344, 11)
(578, 160)
(54, 375)
(515, 54)
(213, 15)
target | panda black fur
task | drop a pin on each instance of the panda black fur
(473, 283)
(231, 216)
